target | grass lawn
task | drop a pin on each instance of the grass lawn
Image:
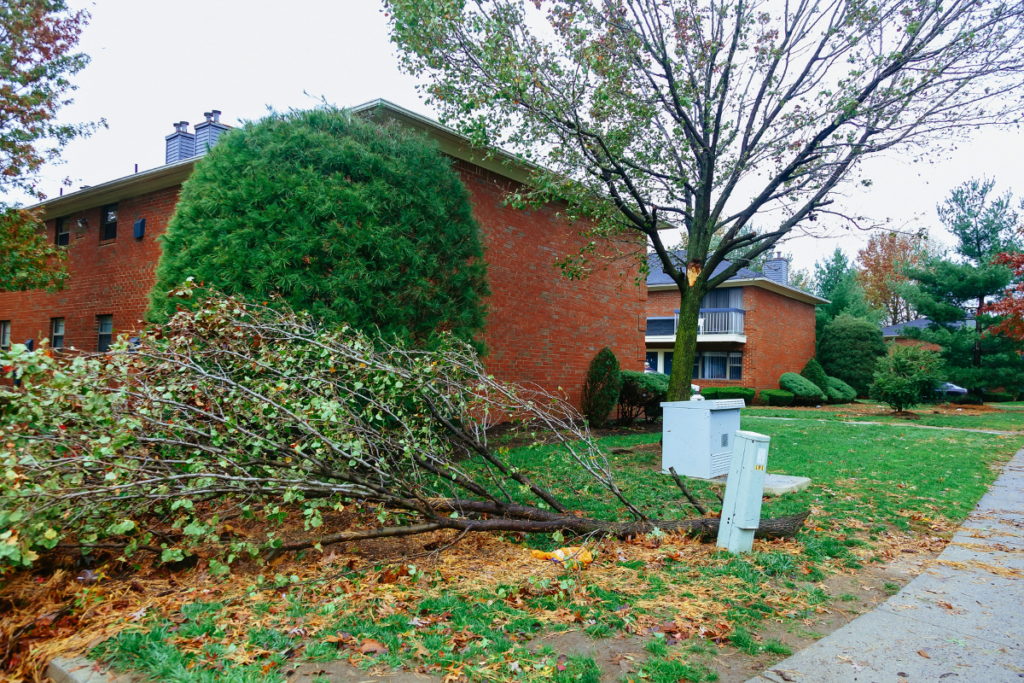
(1008, 420)
(476, 611)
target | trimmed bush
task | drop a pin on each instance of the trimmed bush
(839, 391)
(713, 393)
(601, 387)
(967, 400)
(355, 222)
(814, 372)
(804, 390)
(849, 350)
(641, 393)
(996, 397)
(906, 376)
(777, 397)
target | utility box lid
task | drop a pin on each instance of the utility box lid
(720, 404)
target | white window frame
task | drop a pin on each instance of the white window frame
(5, 335)
(53, 333)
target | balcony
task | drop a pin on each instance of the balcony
(713, 325)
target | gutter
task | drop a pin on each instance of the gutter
(762, 282)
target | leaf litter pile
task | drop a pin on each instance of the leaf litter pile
(468, 613)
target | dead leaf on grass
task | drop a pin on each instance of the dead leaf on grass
(373, 647)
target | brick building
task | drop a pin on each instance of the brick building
(753, 328)
(542, 328)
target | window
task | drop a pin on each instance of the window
(108, 222)
(735, 365)
(62, 233)
(718, 365)
(105, 325)
(5, 335)
(57, 334)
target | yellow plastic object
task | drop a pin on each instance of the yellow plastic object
(571, 557)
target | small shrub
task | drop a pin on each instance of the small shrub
(715, 393)
(814, 372)
(849, 349)
(996, 397)
(777, 397)
(641, 393)
(601, 387)
(906, 376)
(966, 400)
(804, 390)
(839, 391)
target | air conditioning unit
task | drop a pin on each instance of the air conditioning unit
(697, 436)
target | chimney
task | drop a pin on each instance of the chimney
(181, 144)
(776, 269)
(209, 131)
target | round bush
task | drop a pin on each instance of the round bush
(906, 376)
(641, 393)
(355, 222)
(776, 397)
(803, 389)
(849, 350)
(839, 391)
(601, 387)
(715, 393)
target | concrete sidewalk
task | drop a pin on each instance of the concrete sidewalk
(960, 621)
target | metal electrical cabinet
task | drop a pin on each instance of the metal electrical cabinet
(697, 436)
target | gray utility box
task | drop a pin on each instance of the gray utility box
(697, 436)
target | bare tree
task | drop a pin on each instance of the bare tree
(705, 113)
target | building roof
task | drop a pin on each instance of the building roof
(897, 330)
(169, 175)
(659, 280)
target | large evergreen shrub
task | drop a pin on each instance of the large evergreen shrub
(641, 394)
(353, 221)
(601, 387)
(839, 391)
(814, 372)
(906, 376)
(849, 350)
(804, 390)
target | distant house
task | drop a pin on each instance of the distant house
(896, 334)
(753, 328)
(543, 329)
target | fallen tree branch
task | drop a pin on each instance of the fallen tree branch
(689, 496)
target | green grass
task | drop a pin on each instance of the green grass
(1009, 421)
(866, 479)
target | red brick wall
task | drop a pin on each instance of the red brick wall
(111, 278)
(779, 331)
(542, 328)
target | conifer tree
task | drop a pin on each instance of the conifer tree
(356, 222)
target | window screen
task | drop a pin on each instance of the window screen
(736, 365)
(105, 324)
(108, 222)
(715, 365)
(57, 334)
(62, 233)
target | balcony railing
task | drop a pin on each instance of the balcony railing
(720, 321)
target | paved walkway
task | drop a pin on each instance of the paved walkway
(961, 621)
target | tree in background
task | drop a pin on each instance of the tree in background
(644, 113)
(849, 350)
(37, 61)
(906, 376)
(835, 279)
(881, 272)
(955, 296)
(355, 222)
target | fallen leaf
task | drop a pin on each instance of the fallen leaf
(373, 647)
(784, 675)
(924, 654)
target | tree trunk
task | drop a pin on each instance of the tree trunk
(686, 343)
(977, 334)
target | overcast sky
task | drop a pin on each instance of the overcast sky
(157, 63)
